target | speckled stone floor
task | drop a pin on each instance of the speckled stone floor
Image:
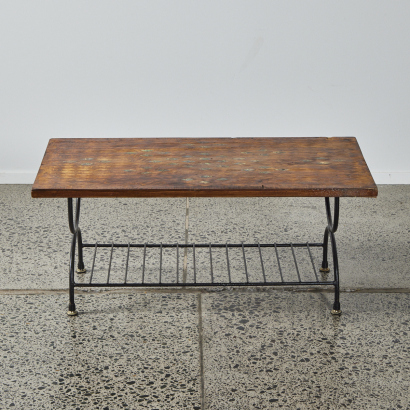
(203, 348)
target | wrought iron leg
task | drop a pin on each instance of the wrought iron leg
(71, 303)
(332, 225)
(336, 305)
(325, 266)
(80, 266)
(76, 239)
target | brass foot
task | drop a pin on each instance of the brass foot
(336, 312)
(81, 270)
(324, 270)
(72, 313)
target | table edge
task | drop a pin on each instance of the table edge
(370, 192)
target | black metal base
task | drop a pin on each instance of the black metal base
(177, 280)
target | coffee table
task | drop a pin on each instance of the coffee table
(208, 167)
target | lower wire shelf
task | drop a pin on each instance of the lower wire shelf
(202, 265)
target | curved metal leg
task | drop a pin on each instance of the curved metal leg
(76, 238)
(80, 266)
(325, 265)
(71, 303)
(336, 305)
(332, 225)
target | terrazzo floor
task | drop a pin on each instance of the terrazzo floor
(205, 348)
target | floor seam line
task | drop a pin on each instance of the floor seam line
(196, 290)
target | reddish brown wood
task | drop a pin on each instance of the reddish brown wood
(209, 167)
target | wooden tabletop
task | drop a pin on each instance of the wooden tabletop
(203, 167)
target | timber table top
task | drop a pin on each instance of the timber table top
(203, 167)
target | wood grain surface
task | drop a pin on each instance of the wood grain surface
(208, 167)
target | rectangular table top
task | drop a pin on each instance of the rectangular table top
(203, 167)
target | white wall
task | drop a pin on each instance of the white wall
(164, 68)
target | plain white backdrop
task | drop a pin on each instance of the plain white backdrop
(215, 68)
